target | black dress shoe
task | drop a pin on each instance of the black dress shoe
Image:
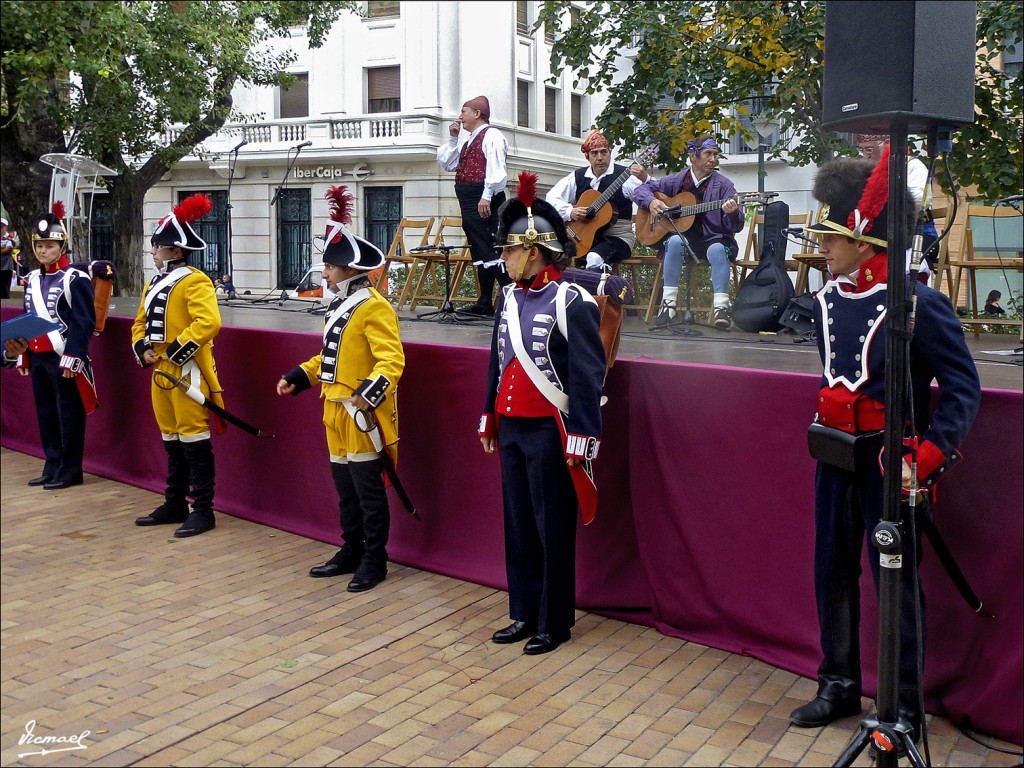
(41, 480)
(361, 584)
(344, 561)
(820, 712)
(478, 309)
(513, 633)
(545, 642)
(163, 516)
(329, 569)
(56, 485)
(195, 525)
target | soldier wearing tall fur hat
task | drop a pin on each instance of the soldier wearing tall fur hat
(358, 368)
(58, 362)
(543, 443)
(174, 329)
(851, 316)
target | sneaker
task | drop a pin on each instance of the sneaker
(665, 316)
(722, 321)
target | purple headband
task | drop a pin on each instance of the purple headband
(708, 143)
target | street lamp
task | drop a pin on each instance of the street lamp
(765, 128)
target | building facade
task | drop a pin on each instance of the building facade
(369, 109)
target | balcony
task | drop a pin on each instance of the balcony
(360, 133)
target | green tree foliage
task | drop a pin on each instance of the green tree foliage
(108, 79)
(708, 58)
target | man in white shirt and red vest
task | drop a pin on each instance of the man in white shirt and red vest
(480, 176)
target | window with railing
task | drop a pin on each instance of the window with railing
(550, 110)
(523, 103)
(382, 9)
(383, 90)
(294, 100)
(576, 116)
(213, 229)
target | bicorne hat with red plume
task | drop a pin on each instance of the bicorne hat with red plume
(528, 221)
(50, 226)
(175, 229)
(343, 248)
(855, 200)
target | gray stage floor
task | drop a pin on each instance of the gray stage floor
(776, 352)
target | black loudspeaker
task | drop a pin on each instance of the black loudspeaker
(893, 60)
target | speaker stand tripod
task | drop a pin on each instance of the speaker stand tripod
(447, 313)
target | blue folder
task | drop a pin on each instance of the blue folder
(27, 326)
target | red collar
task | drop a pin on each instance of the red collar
(872, 272)
(62, 263)
(549, 274)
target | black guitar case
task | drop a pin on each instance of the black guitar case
(766, 292)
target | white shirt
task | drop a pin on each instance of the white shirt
(564, 194)
(495, 150)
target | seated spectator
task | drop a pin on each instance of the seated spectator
(992, 304)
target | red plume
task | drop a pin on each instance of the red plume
(340, 204)
(193, 207)
(876, 193)
(57, 209)
(526, 192)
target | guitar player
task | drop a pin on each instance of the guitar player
(610, 227)
(712, 236)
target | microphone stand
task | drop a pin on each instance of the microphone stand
(447, 312)
(232, 160)
(273, 202)
(686, 317)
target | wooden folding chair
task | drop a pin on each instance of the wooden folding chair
(1008, 256)
(399, 255)
(430, 284)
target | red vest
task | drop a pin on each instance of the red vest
(472, 164)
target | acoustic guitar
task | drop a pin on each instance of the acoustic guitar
(651, 230)
(600, 211)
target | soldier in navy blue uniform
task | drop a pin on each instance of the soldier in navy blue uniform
(58, 362)
(850, 313)
(542, 412)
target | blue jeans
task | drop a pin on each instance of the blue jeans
(718, 258)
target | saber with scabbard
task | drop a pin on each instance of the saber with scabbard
(203, 400)
(367, 422)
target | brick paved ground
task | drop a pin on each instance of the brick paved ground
(219, 650)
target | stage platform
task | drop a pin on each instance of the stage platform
(704, 530)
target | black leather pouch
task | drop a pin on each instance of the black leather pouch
(841, 449)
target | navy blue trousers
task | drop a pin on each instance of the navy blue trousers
(540, 524)
(61, 418)
(847, 506)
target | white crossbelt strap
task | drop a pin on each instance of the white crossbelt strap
(39, 306)
(550, 392)
(359, 296)
(166, 281)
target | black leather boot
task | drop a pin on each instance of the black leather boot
(376, 524)
(175, 506)
(201, 477)
(347, 559)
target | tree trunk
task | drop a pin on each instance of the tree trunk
(131, 247)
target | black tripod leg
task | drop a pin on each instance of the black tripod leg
(861, 740)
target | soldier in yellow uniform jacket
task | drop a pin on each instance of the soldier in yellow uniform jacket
(358, 370)
(174, 329)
